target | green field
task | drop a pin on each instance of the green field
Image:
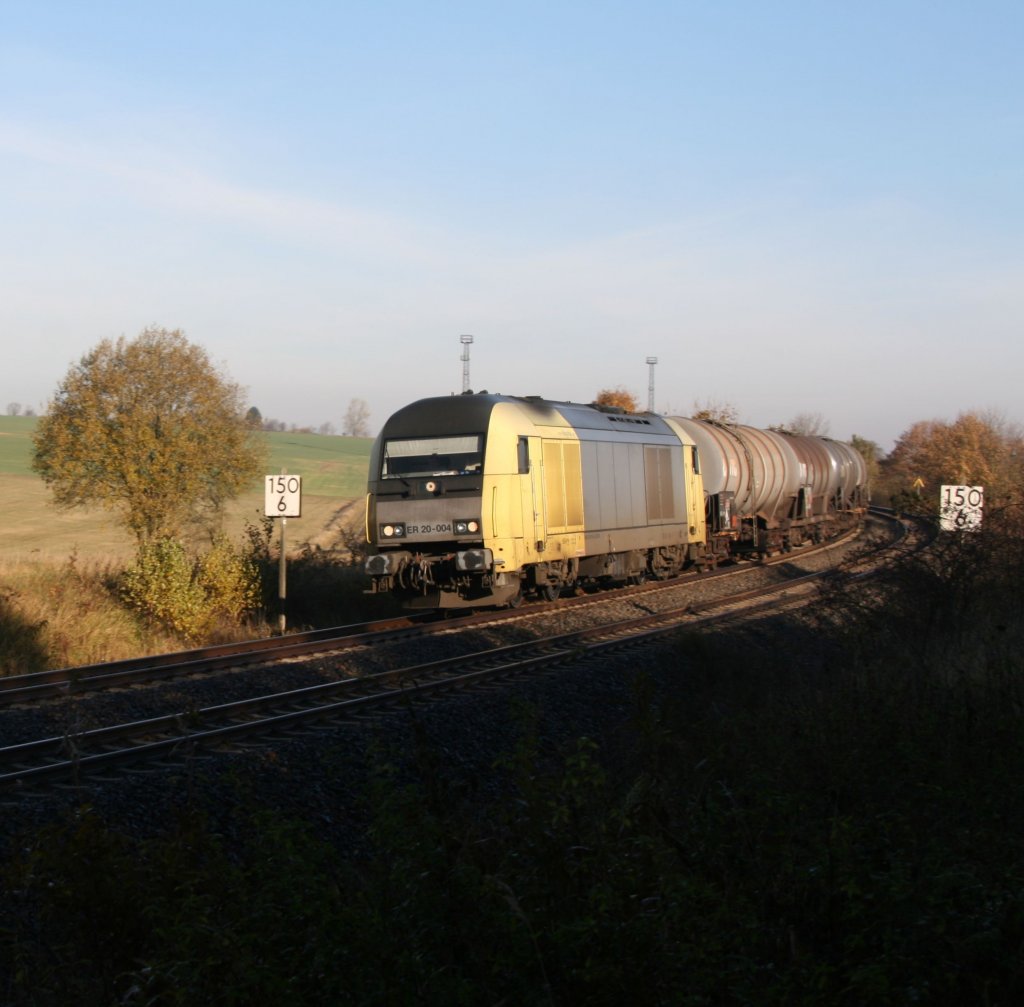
(16, 445)
(333, 471)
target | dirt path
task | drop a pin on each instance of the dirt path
(342, 521)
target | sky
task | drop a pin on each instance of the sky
(797, 207)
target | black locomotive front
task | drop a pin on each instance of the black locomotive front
(424, 517)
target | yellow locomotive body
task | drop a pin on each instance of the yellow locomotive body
(475, 499)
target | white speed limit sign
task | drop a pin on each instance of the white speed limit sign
(960, 507)
(283, 496)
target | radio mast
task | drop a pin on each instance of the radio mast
(466, 343)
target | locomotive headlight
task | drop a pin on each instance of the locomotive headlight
(396, 530)
(468, 527)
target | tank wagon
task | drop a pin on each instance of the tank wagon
(478, 499)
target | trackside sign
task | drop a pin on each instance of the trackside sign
(960, 507)
(283, 496)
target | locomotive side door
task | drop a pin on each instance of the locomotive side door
(695, 516)
(532, 492)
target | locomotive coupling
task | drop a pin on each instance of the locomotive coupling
(383, 564)
(474, 559)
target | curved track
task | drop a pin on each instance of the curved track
(162, 667)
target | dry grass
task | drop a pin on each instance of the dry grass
(65, 614)
(58, 570)
(34, 529)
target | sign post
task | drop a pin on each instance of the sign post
(282, 499)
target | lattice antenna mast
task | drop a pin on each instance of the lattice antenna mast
(466, 341)
(651, 361)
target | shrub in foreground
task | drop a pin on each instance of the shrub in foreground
(190, 594)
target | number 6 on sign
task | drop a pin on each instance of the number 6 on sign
(283, 496)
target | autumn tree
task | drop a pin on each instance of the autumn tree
(808, 425)
(976, 449)
(148, 428)
(616, 397)
(715, 412)
(357, 418)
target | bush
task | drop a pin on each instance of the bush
(190, 595)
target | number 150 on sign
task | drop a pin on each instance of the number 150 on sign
(283, 496)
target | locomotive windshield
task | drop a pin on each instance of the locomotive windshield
(432, 456)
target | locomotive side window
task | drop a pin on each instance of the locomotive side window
(524, 455)
(432, 456)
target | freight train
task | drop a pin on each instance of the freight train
(480, 499)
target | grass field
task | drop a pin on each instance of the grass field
(16, 444)
(333, 471)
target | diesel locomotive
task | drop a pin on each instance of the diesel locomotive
(479, 499)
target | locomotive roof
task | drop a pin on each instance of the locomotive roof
(450, 414)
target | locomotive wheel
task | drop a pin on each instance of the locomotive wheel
(550, 592)
(515, 601)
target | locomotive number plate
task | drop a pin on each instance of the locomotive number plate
(440, 528)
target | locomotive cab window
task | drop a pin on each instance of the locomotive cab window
(432, 456)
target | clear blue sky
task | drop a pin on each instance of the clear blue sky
(810, 207)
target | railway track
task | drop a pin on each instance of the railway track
(164, 667)
(75, 755)
(17, 689)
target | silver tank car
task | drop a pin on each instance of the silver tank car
(759, 468)
(769, 489)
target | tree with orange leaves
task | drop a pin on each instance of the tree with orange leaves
(976, 449)
(617, 397)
